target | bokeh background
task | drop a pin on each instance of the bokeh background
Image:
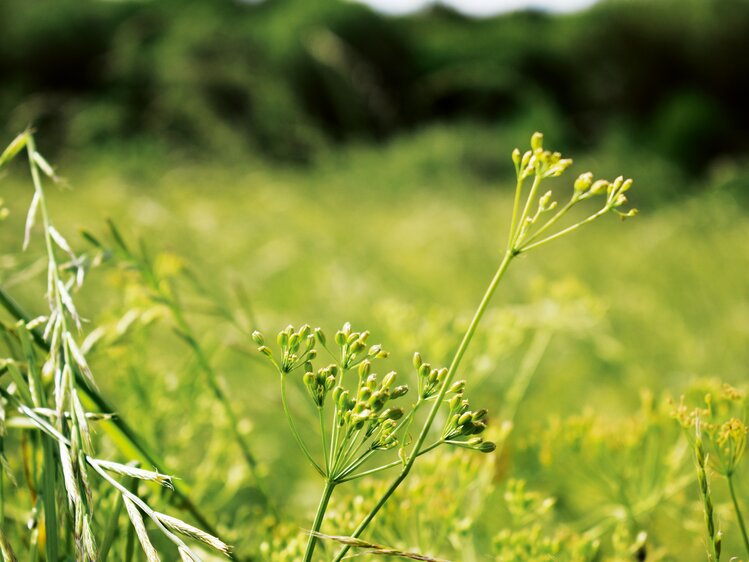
(343, 164)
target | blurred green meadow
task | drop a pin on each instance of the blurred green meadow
(397, 227)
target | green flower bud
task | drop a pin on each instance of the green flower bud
(309, 379)
(626, 185)
(516, 157)
(294, 342)
(583, 182)
(487, 447)
(544, 201)
(320, 336)
(392, 414)
(464, 418)
(282, 339)
(398, 391)
(343, 399)
(265, 350)
(364, 368)
(480, 415)
(389, 379)
(599, 187)
(525, 162)
(340, 338)
(457, 387)
(537, 141)
(424, 370)
(417, 360)
(305, 331)
(258, 338)
(478, 427)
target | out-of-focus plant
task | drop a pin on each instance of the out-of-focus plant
(365, 423)
(717, 433)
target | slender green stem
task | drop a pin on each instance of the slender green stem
(737, 509)
(553, 220)
(342, 477)
(321, 415)
(515, 209)
(565, 231)
(294, 430)
(319, 516)
(519, 226)
(504, 264)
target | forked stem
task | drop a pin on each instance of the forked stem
(465, 342)
(319, 516)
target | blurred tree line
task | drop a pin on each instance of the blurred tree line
(283, 77)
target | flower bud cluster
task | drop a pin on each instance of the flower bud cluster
(319, 384)
(430, 380)
(615, 191)
(297, 347)
(354, 347)
(465, 426)
(539, 162)
(368, 406)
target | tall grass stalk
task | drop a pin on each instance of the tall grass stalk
(165, 293)
(55, 414)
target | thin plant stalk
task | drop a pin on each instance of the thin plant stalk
(544, 164)
(122, 434)
(319, 516)
(737, 509)
(50, 466)
(462, 348)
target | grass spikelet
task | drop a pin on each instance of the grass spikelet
(133, 472)
(377, 549)
(140, 530)
(68, 476)
(179, 526)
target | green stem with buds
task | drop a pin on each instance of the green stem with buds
(462, 348)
